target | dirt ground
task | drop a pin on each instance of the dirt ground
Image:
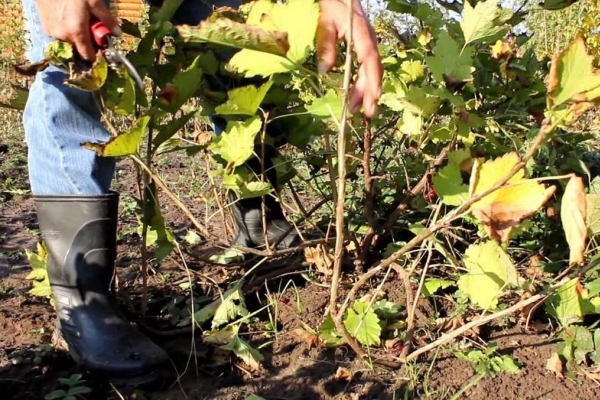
(29, 367)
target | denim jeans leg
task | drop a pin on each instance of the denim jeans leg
(57, 119)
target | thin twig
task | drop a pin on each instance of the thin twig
(369, 200)
(173, 197)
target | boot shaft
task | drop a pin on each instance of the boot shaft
(80, 234)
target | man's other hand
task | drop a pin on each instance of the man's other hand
(333, 26)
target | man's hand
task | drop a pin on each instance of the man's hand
(69, 20)
(333, 26)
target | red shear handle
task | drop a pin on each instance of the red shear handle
(99, 33)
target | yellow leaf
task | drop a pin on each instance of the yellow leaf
(89, 80)
(572, 75)
(125, 144)
(501, 50)
(573, 215)
(505, 208)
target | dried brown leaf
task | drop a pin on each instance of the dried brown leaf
(320, 257)
(343, 374)
(555, 365)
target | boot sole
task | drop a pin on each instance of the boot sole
(151, 380)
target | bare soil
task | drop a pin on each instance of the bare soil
(293, 369)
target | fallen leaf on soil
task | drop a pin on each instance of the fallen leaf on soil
(320, 258)
(450, 324)
(573, 216)
(311, 338)
(505, 208)
(343, 374)
(555, 365)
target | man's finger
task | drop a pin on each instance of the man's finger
(326, 44)
(100, 11)
(83, 45)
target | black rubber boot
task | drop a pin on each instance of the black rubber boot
(80, 233)
(248, 219)
(248, 213)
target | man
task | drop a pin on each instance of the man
(77, 213)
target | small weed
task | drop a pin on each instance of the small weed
(74, 389)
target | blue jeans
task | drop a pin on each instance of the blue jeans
(57, 119)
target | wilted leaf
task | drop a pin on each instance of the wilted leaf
(309, 337)
(234, 34)
(343, 374)
(246, 352)
(505, 208)
(236, 144)
(450, 324)
(122, 145)
(320, 258)
(296, 18)
(363, 324)
(481, 22)
(501, 50)
(448, 60)
(222, 336)
(555, 365)
(573, 216)
(92, 79)
(491, 272)
(244, 100)
(572, 75)
(31, 69)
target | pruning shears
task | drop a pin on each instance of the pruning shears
(103, 38)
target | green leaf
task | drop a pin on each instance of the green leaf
(386, 309)
(567, 304)
(411, 123)
(448, 182)
(412, 71)
(296, 18)
(168, 130)
(573, 76)
(229, 256)
(37, 261)
(89, 80)
(59, 52)
(480, 23)
(593, 287)
(490, 272)
(120, 94)
(508, 364)
(185, 84)
(124, 144)
(328, 106)
(57, 394)
(41, 289)
(244, 101)
(254, 189)
(329, 333)
(16, 99)
(246, 352)
(363, 324)
(232, 305)
(448, 60)
(166, 11)
(432, 285)
(79, 390)
(254, 397)
(236, 144)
